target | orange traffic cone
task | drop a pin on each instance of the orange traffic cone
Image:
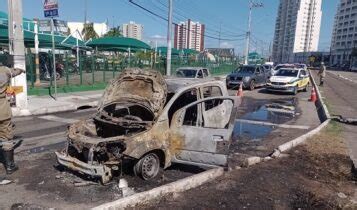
(313, 97)
(240, 90)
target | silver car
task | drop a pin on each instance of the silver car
(149, 122)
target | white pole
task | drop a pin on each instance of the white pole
(38, 82)
(248, 34)
(251, 6)
(169, 27)
(129, 51)
(155, 51)
(54, 57)
(77, 44)
(17, 49)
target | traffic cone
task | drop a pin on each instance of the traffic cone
(240, 90)
(313, 97)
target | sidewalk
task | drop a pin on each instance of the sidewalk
(38, 105)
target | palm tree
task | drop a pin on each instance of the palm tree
(88, 32)
(114, 32)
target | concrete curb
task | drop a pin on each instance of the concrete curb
(51, 110)
(174, 187)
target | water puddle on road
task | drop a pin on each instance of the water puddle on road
(256, 112)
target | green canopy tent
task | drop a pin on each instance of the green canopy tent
(190, 52)
(163, 51)
(45, 39)
(121, 44)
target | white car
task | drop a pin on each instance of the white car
(192, 72)
(280, 66)
(289, 80)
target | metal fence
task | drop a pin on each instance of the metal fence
(94, 72)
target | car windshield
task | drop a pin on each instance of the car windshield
(246, 69)
(287, 73)
(186, 73)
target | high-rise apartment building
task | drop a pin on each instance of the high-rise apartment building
(133, 30)
(297, 29)
(189, 35)
(344, 35)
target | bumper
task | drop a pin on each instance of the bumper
(237, 84)
(285, 89)
(102, 171)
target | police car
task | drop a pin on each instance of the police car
(289, 80)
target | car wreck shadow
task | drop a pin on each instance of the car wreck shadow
(186, 168)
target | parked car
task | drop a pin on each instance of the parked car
(280, 66)
(301, 66)
(268, 70)
(146, 122)
(192, 72)
(250, 76)
(289, 80)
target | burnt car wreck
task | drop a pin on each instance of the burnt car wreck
(152, 122)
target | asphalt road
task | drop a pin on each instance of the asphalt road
(43, 184)
(47, 131)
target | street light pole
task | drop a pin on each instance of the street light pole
(251, 6)
(169, 27)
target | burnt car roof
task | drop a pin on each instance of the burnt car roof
(175, 84)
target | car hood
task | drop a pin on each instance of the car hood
(144, 87)
(282, 79)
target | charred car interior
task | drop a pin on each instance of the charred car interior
(152, 122)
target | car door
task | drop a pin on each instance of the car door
(304, 76)
(259, 74)
(206, 127)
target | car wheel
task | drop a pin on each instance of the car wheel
(147, 167)
(252, 85)
(296, 89)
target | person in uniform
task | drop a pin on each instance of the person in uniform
(7, 142)
(322, 73)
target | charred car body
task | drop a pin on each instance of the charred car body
(152, 123)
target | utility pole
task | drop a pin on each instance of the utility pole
(251, 6)
(37, 61)
(169, 27)
(17, 49)
(219, 41)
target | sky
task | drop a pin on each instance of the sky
(230, 17)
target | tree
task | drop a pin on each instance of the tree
(88, 32)
(114, 32)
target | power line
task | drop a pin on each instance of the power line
(176, 24)
(223, 32)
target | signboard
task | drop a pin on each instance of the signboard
(50, 8)
(60, 26)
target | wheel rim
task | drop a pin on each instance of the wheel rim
(150, 166)
(252, 85)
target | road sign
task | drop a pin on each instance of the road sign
(50, 8)
(60, 26)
